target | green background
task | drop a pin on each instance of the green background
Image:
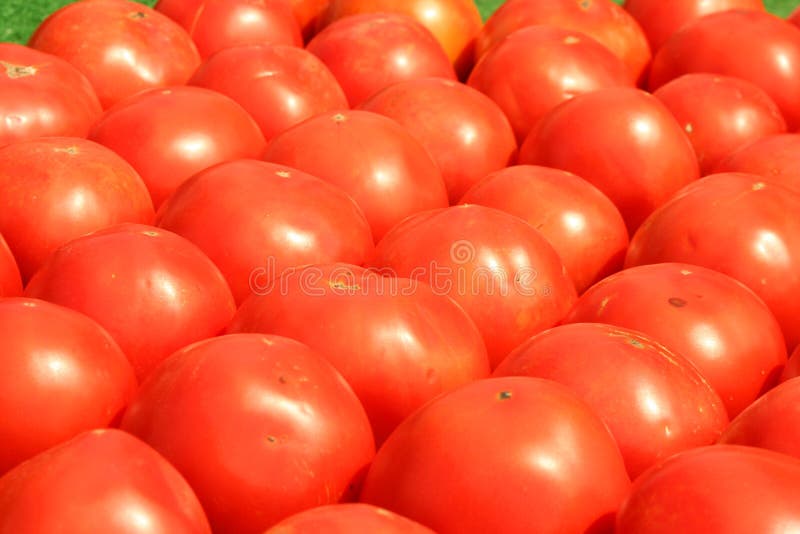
(18, 18)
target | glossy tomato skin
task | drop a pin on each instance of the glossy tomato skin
(99, 481)
(775, 157)
(376, 161)
(122, 47)
(55, 189)
(466, 133)
(720, 488)
(179, 131)
(42, 95)
(766, 51)
(348, 518)
(505, 274)
(624, 141)
(262, 427)
(279, 85)
(753, 218)
(548, 464)
(583, 225)
(153, 290)
(536, 68)
(256, 220)
(418, 344)
(367, 53)
(714, 321)
(10, 279)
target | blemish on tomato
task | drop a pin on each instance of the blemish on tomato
(758, 186)
(571, 40)
(137, 15)
(504, 395)
(677, 302)
(18, 71)
(283, 174)
(339, 117)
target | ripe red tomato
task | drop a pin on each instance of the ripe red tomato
(100, 481)
(218, 24)
(755, 220)
(262, 427)
(179, 132)
(581, 223)
(624, 141)
(506, 276)
(10, 280)
(122, 47)
(792, 368)
(347, 519)
(536, 68)
(776, 158)
(255, 220)
(720, 114)
(308, 13)
(417, 343)
(367, 53)
(466, 132)
(512, 454)
(279, 86)
(153, 290)
(42, 95)
(375, 160)
(602, 20)
(755, 46)
(720, 488)
(60, 374)
(55, 189)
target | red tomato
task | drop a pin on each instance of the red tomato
(755, 46)
(179, 132)
(280, 86)
(55, 189)
(716, 322)
(720, 114)
(738, 225)
(653, 400)
(308, 13)
(507, 277)
(256, 220)
(367, 53)
(466, 133)
(792, 368)
(218, 24)
(10, 280)
(506, 455)
(623, 141)
(100, 481)
(122, 47)
(262, 427)
(153, 291)
(418, 343)
(720, 488)
(375, 160)
(601, 20)
(42, 95)
(536, 68)
(776, 158)
(581, 223)
(347, 519)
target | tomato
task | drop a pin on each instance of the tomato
(624, 141)
(758, 47)
(581, 223)
(513, 454)
(602, 20)
(755, 220)
(506, 276)
(536, 68)
(346, 519)
(256, 220)
(100, 481)
(279, 86)
(375, 160)
(720, 114)
(262, 427)
(307, 13)
(367, 53)
(153, 290)
(466, 133)
(792, 368)
(55, 189)
(42, 95)
(179, 131)
(218, 24)
(720, 488)
(418, 343)
(121, 46)
(775, 157)
(10, 280)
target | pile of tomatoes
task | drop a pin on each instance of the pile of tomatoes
(374, 266)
